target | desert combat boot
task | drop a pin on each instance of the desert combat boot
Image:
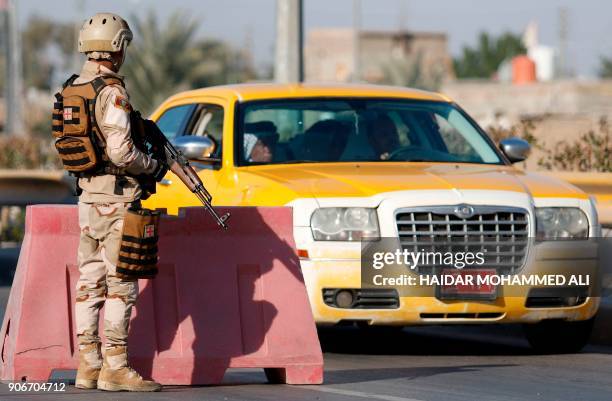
(117, 375)
(90, 363)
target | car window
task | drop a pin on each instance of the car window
(455, 143)
(173, 121)
(341, 130)
(207, 120)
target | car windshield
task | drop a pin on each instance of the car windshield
(358, 130)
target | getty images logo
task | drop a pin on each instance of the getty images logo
(464, 211)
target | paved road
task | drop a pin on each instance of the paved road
(434, 363)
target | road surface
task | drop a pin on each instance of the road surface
(433, 363)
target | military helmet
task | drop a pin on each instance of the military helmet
(104, 32)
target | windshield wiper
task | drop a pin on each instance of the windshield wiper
(299, 162)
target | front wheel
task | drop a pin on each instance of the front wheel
(558, 336)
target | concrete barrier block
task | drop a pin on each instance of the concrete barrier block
(233, 299)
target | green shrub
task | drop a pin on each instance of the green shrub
(523, 130)
(591, 152)
(29, 152)
(12, 223)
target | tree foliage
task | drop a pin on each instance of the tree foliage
(591, 152)
(28, 152)
(483, 60)
(165, 59)
(38, 39)
(605, 68)
(2, 74)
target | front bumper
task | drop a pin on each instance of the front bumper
(326, 270)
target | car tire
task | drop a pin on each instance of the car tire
(558, 336)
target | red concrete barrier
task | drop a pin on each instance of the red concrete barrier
(233, 299)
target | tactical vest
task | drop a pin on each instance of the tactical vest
(78, 139)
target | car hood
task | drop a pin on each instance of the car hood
(367, 179)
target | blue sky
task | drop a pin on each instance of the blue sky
(252, 21)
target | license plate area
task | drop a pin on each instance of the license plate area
(464, 285)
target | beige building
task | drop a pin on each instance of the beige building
(384, 57)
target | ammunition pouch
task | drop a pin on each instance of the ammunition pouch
(138, 251)
(73, 141)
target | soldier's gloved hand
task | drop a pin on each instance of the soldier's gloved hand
(160, 171)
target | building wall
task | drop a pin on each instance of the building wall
(329, 55)
(558, 110)
(485, 99)
(429, 50)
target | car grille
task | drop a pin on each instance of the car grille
(501, 233)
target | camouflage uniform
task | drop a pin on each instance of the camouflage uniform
(102, 206)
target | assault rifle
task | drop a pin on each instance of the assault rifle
(155, 143)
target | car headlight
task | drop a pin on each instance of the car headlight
(561, 223)
(344, 224)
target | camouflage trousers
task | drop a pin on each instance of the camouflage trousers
(101, 226)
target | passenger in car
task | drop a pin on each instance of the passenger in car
(325, 140)
(259, 142)
(382, 135)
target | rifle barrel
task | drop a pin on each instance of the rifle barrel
(220, 219)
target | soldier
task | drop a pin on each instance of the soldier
(105, 196)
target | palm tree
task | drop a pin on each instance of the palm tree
(409, 72)
(605, 69)
(168, 59)
(483, 60)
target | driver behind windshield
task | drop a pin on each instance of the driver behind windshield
(382, 135)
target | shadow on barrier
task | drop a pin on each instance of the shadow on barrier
(203, 321)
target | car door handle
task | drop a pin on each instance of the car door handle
(165, 182)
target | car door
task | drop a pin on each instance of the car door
(193, 119)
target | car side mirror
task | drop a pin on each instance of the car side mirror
(515, 149)
(199, 148)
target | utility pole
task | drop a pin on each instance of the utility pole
(356, 40)
(402, 16)
(13, 90)
(3, 55)
(289, 62)
(76, 58)
(563, 35)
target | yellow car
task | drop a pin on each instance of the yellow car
(372, 167)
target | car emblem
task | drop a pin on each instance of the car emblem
(464, 211)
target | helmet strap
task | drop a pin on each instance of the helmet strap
(118, 63)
